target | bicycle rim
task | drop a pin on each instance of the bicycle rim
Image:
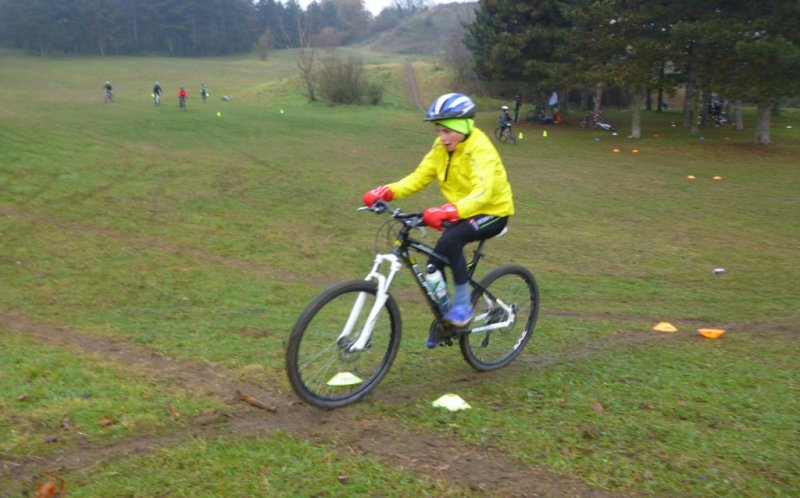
(516, 287)
(321, 369)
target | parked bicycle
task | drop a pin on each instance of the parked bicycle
(597, 120)
(505, 133)
(539, 115)
(345, 340)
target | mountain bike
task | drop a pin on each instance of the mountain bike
(108, 96)
(597, 120)
(539, 116)
(505, 133)
(157, 99)
(345, 340)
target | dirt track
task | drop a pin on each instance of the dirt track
(482, 468)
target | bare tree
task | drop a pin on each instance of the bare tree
(264, 44)
(306, 55)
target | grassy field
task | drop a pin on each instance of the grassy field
(153, 262)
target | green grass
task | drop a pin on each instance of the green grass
(43, 385)
(203, 237)
(277, 466)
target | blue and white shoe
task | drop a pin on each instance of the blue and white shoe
(460, 315)
(434, 339)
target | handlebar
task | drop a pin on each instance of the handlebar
(411, 219)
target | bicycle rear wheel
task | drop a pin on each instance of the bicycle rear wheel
(321, 369)
(515, 287)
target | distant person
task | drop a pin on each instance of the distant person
(156, 94)
(203, 91)
(182, 99)
(552, 104)
(108, 92)
(517, 105)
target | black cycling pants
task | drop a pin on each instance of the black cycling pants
(455, 237)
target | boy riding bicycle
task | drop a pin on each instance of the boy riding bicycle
(505, 118)
(472, 179)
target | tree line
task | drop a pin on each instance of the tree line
(187, 27)
(744, 50)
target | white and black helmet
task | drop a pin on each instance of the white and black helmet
(449, 106)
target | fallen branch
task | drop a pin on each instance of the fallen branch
(257, 403)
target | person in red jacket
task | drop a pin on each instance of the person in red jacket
(182, 98)
(473, 181)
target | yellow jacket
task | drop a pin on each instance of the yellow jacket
(472, 177)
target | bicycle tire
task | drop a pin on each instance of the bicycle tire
(320, 369)
(498, 133)
(514, 285)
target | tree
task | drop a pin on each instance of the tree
(520, 42)
(764, 64)
(621, 42)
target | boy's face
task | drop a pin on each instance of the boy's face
(449, 138)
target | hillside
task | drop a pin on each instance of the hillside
(426, 33)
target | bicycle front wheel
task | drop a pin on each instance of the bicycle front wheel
(322, 366)
(511, 297)
(510, 137)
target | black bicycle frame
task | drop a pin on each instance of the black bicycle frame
(404, 242)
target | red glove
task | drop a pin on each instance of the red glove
(378, 193)
(434, 217)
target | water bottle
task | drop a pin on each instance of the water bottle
(438, 286)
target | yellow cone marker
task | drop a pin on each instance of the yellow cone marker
(281, 111)
(544, 133)
(711, 333)
(344, 379)
(520, 135)
(219, 114)
(452, 402)
(664, 327)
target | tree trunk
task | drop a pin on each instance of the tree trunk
(691, 90)
(763, 114)
(695, 129)
(660, 102)
(738, 115)
(598, 97)
(584, 99)
(636, 119)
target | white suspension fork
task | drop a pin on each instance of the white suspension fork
(384, 283)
